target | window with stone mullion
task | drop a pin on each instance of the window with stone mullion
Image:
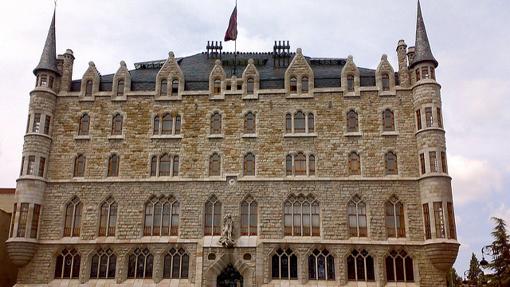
(103, 264)
(176, 264)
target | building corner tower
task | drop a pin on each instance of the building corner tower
(434, 182)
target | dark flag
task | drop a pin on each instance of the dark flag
(231, 34)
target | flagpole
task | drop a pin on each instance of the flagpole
(235, 46)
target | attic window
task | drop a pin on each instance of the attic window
(88, 89)
(350, 83)
(217, 87)
(385, 82)
(304, 85)
(163, 89)
(120, 88)
(249, 86)
(175, 87)
(293, 84)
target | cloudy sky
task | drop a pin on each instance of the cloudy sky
(469, 38)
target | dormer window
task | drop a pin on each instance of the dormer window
(293, 85)
(164, 88)
(239, 86)
(175, 87)
(350, 83)
(304, 85)
(120, 88)
(229, 86)
(88, 89)
(385, 82)
(250, 86)
(217, 87)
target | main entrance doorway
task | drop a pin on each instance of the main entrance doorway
(230, 277)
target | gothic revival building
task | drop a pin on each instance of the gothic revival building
(260, 169)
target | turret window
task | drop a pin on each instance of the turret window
(391, 164)
(37, 123)
(443, 162)
(103, 264)
(388, 121)
(176, 264)
(34, 227)
(42, 165)
(108, 217)
(428, 117)
(22, 166)
(426, 219)
(354, 164)
(360, 266)
(162, 217)
(301, 216)
(117, 125)
(439, 118)
(352, 121)
(357, 210)
(113, 165)
(83, 128)
(163, 90)
(399, 267)
(215, 165)
(249, 217)
(418, 78)
(418, 119)
(88, 89)
(13, 217)
(72, 221)
(439, 220)
(395, 223)
(425, 73)
(451, 221)
(79, 166)
(284, 265)
(433, 162)
(140, 264)
(68, 264)
(249, 164)
(31, 165)
(47, 122)
(175, 87)
(321, 265)
(50, 82)
(385, 82)
(422, 163)
(22, 220)
(212, 218)
(28, 123)
(216, 123)
(120, 88)
(432, 73)
(44, 80)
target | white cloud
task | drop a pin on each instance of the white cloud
(473, 179)
(503, 211)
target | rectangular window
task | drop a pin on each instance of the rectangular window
(425, 72)
(439, 219)
(31, 165)
(439, 118)
(433, 162)
(428, 117)
(47, 125)
(417, 75)
(451, 221)
(50, 83)
(35, 221)
(22, 222)
(426, 219)
(443, 162)
(418, 119)
(22, 165)
(432, 73)
(13, 218)
(37, 123)
(422, 163)
(42, 163)
(44, 81)
(28, 124)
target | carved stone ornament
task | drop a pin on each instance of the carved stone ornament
(226, 239)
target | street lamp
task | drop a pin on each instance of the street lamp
(484, 262)
(465, 281)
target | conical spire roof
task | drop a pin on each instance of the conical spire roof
(49, 55)
(423, 52)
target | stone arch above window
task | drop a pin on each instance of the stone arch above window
(293, 84)
(84, 125)
(395, 218)
(360, 266)
(117, 122)
(176, 264)
(357, 214)
(385, 77)
(249, 164)
(249, 216)
(72, 222)
(284, 265)
(299, 76)
(300, 122)
(67, 265)
(301, 216)
(212, 218)
(350, 78)
(215, 165)
(90, 81)
(103, 264)
(217, 79)
(216, 123)
(251, 79)
(140, 264)
(108, 217)
(113, 165)
(388, 119)
(250, 123)
(321, 265)
(121, 82)
(79, 165)
(391, 163)
(162, 216)
(170, 79)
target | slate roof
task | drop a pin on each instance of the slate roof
(423, 53)
(48, 59)
(196, 69)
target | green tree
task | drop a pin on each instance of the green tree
(453, 278)
(500, 255)
(475, 273)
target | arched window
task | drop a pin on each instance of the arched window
(175, 87)
(217, 87)
(176, 264)
(300, 164)
(354, 164)
(288, 164)
(311, 165)
(68, 265)
(216, 123)
(215, 165)
(177, 129)
(311, 123)
(304, 85)
(360, 266)
(350, 83)
(297, 165)
(249, 164)
(168, 123)
(161, 217)
(165, 163)
(163, 92)
(83, 128)
(113, 165)
(155, 127)
(391, 163)
(175, 167)
(88, 89)
(108, 217)
(79, 166)
(212, 218)
(357, 210)
(154, 165)
(395, 221)
(103, 264)
(321, 265)
(73, 218)
(293, 85)
(140, 264)
(284, 265)
(120, 88)
(352, 121)
(399, 267)
(250, 86)
(249, 217)
(117, 125)
(302, 216)
(385, 82)
(299, 122)
(288, 123)
(249, 123)
(388, 121)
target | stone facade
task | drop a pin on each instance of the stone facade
(49, 179)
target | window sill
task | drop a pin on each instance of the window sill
(387, 94)
(170, 137)
(434, 174)
(119, 99)
(390, 134)
(38, 134)
(300, 96)
(353, 134)
(352, 95)
(86, 99)
(116, 137)
(215, 136)
(251, 97)
(217, 97)
(169, 98)
(249, 136)
(82, 137)
(300, 135)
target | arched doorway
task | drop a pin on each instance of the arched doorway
(230, 277)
